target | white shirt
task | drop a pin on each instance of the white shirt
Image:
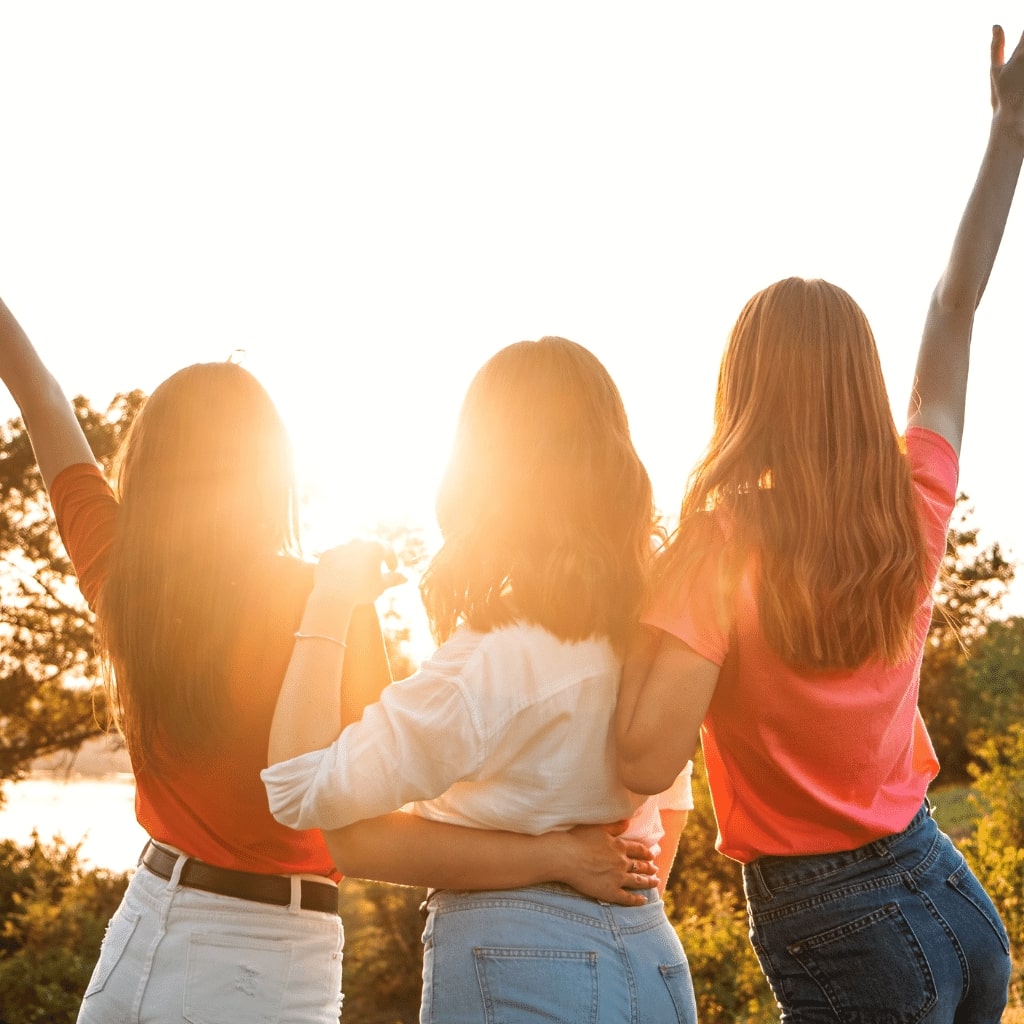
(511, 729)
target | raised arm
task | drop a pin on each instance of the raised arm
(310, 706)
(937, 401)
(52, 425)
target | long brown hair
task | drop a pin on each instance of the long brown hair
(207, 495)
(808, 467)
(545, 508)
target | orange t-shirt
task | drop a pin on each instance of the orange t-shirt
(806, 764)
(214, 806)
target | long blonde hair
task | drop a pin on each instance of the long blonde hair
(207, 497)
(545, 508)
(810, 472)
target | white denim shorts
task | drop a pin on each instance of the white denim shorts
(175, 954)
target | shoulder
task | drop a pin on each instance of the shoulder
(82, 482)
(86, 512)
(934, 469)
(519, 665)
(932, 459)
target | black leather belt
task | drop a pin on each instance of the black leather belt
(243, 885)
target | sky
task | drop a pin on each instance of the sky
(370, 199)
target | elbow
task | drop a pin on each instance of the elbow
(953, 299)
(294, 799)
(643, 779)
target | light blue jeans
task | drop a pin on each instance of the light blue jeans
(895, 932)
(174, 955)
(547, 954)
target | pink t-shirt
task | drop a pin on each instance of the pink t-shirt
(805, 764)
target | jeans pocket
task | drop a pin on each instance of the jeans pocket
(537, 984)
(232, 977)
(964, 882)
(680, 989)
(119, 931)
(871, 969)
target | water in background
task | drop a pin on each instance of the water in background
(96, 811)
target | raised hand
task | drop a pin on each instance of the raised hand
(1007, 81)
(356, 570)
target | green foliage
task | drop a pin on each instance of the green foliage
(996, 850)
(993, 682)
(382, 976)
(704, 898)
(971, 584)
(47, 662)
(54, 914)
(955, 810)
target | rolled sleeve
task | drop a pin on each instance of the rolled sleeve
(418, 740)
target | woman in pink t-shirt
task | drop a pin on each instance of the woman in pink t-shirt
(788, 630)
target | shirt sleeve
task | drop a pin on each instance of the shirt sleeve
(689, 609)
(86, 512)
(419, 739)
(935, 470)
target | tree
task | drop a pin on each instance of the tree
(48, 697)
(971, 583)
(993, 683)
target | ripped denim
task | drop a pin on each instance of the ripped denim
(172, 953)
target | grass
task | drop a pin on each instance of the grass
(955, 812)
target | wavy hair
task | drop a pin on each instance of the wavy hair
(545, 508)
(811, 474)
(207, 497)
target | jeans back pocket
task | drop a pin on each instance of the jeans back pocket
(120, 929)
(871, 969)
(236, 977)
(537, 984)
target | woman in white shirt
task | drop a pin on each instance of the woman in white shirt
(547, 517)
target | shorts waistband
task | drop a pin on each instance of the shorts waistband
(244, 885)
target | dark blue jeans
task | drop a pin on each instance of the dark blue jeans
(895, 932)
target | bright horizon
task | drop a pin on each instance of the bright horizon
(371, 200)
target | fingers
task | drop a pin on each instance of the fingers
(636, 850)
(626, 898)
(998, 47)
(358, 567)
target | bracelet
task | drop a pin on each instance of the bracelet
(320, 636)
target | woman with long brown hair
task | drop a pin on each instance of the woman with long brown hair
(788, 629)
(190, 563)
(546, 516)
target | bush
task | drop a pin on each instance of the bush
(382, 974)
(54, 913)
(996, 849)
(705, 902)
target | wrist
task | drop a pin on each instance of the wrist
(554, 857)
(1008, 129)
(328, 611)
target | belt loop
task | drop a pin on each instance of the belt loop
(296, 902)
(179, 864)
(756, 880)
